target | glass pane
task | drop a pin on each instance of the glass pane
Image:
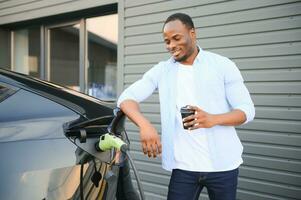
(27, 51)
(64, 56)
(5, 49)
(102, 56)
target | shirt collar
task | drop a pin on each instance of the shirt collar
(198, 57)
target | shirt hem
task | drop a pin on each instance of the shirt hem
(183, 167)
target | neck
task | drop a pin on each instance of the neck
(191, 58)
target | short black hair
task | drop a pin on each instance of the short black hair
(184, 18)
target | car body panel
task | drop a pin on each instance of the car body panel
(38, 160)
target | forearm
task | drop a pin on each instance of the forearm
(132, 111)
(234, 118)
(150, 139)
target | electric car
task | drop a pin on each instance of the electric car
(47, 142)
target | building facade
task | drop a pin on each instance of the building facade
(55, 40)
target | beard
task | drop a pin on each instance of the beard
(185, 56)
(181, 59)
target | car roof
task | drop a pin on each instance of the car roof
(83, 104)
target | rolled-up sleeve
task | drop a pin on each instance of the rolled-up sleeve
(142, 88)
(237, 93)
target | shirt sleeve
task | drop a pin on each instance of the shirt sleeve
(142, 88)
(237, 93)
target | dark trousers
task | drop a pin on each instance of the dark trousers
(187, 185)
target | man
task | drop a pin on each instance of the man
(208, 154)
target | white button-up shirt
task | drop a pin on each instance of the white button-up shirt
(220, 89)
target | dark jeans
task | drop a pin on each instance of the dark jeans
(187, 185)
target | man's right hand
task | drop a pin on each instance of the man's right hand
(150, 140)
(149, 136)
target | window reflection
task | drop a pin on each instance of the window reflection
(102, 56)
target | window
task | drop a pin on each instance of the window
(26, 51)
(79, 54)
(102, 56)
(5, 49)
(64, 56)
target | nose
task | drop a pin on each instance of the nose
(171, 46)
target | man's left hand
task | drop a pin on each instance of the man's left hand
(200, 119)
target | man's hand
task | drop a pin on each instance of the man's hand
(150, 140)
(200, 119)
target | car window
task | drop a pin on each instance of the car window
(5, 92)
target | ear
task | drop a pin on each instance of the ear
(192, 33)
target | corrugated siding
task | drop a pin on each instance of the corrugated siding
(21, 10)
(263, 37)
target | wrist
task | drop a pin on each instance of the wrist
(216, 119)
(143, 123)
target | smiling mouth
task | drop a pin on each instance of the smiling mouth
(175, 53)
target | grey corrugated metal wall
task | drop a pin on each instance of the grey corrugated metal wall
(263, 38)
(21, 10)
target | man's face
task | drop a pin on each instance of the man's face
(179, 40)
